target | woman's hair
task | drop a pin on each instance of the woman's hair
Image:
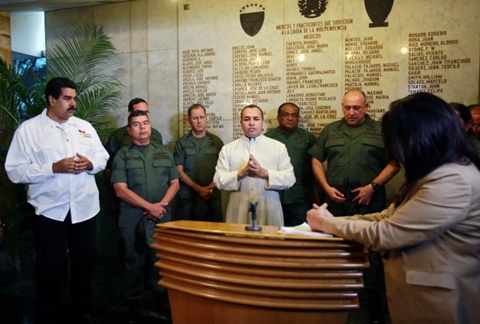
(422, 132)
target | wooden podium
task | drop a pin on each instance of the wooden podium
(218, 273)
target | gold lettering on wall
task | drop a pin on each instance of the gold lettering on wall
(308, 85)
(253, 80)
(428, 60)
(366, 68)
(197, 83)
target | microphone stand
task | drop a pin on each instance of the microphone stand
(253, 210)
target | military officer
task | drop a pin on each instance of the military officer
(196, 156)
(353, 182)
(146, 180)
(357, 165)
(296, 200)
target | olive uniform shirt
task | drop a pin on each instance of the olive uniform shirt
(198, 157)
(475, 141)
(298, 143)
(198, 161)
(355, 156)
(120, 137)
(148, 172)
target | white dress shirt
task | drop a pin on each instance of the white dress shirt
(36, 145)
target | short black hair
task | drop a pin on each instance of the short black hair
(462, 111)
(133, 102)
(252, 106)
(136, 113)
(287, 103)
(55, 85)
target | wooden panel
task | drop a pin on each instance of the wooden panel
(191, 309)
(266, 273)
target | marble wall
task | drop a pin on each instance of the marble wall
(226, 54)
(145, 35)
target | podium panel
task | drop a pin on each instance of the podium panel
(222, 273)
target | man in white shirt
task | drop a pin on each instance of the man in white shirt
(254, 168)
(56, 156)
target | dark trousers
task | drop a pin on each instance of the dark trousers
(139, 259)
(53, 239)
(374, 279)
(209, 210)
(295, 214)
(378, 202)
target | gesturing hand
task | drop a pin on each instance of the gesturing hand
(316, 215)
(75, 164)
(255, 169)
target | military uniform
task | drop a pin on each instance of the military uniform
(198, 156)
(355, 156)
(147, 170)
(475, 141)
(120, 137)
(297, 200)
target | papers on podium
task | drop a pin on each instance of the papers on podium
(302, 229)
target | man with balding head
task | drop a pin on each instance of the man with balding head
(358, 169)
(353, 181)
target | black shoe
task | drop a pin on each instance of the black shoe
(162, 304)
(165, 310)
(134, 310)
(375, 308)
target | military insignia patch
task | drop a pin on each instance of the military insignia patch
(252, 17)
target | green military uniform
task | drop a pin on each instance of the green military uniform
(355, 156)
(120, 137)
(475, 141)
(298, 199)
(198, 156)
(147, 170)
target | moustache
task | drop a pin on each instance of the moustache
(72, 108)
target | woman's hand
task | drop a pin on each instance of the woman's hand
(316, 215)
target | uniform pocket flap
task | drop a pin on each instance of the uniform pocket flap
(161, 163)
(431, 279)
(338, 140)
